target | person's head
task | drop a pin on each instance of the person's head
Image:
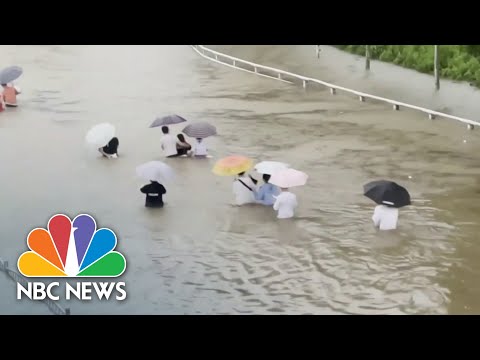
(165, 129)
(199, 140)
(181, 137)
(154, 181)
(266, 177)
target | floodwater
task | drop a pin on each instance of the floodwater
(200, 254)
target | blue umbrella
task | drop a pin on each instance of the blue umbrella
(167, 120)
(10, 74)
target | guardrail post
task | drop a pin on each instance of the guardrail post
(255, 69)
(279, 76)
(304, 84)
(333, 91)
(396, 107)
(234, 63)
(470, 127)
(361, 98)
(216, 57)
(431, 116)
(367, 57)
(67, 311)
(437, 68)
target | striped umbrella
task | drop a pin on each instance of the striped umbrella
(200, 130)
(167, 120)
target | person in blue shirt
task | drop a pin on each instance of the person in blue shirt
(265, 195)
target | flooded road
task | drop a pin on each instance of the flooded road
(199, 254)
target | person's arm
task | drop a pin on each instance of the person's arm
(260, 194)
(276, 206)
(163, 190)
(376, 217)
(145, 189)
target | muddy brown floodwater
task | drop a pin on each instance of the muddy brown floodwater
(199, 254)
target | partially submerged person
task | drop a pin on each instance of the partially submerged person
(168, 142)
(182, 145)
(200, 149)
(385, 217)
(285, 204)
(267, 192)
(243, 189)
(2, 103)
(154, 194)
(111, 149)
(10, 93)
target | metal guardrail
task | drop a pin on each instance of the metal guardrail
(53, 306)
(284, 76)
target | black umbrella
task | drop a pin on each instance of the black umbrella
(167, 120)
(385, 192)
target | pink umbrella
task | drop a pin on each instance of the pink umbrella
(288, 178)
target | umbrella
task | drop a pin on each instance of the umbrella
(387, 192)
(10, 74)
(155, 170)
(287, 178)
(167, 120)
(269, 167)
(232, 165)
(100, 134)
(199, 130)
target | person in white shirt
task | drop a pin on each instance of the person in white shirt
(168, 143)
(243, 189)
(385, 217)
(285, 204)
(199, 149)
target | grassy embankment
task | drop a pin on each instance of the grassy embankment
(457, 62)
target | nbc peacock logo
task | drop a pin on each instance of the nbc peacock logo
(71, 249)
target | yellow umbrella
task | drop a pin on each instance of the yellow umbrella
(232, 165)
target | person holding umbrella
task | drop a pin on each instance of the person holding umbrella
(154, 194)
(10, 93)
(111, 149)
(156, 172)
(243, 185)
(267, 193)
(390, 197)
(168, 142)
(286, 203)
(199, 131)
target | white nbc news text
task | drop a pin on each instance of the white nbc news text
(81, 291)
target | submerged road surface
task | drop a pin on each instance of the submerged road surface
(200, 254)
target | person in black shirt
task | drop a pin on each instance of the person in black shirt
(154, 192)
(111, 149)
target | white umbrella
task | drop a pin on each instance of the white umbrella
(100, 134)
(288, 178)
(270, 167)
(156, 171)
